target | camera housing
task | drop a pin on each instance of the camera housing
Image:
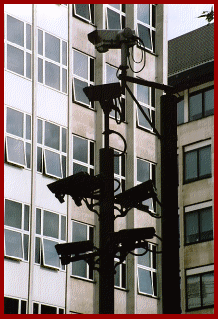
(103, 92)
(111, 39)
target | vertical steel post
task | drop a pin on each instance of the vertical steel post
(169, 201)
(106, 271)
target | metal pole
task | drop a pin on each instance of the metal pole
(169, 201)
(106, 271)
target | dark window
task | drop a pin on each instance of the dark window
(201, 104)
(146, 21)
(83, 155)
(200, 291)
(11, 305)
(197, 164)
(84, 11)
(198, 226)
(116, 17)
(180, 112)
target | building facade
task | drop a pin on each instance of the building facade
(53, 131)
(191, 71)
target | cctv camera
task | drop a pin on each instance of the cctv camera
(74, 248)
(103, 92)
(111, 39)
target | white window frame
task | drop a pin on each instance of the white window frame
(45, 148)
(23, 139)
(87, 238)
(81, 17)
(59, 64)
(151, 269)
(19, 303)
(149, 26)
(87, 164)
(120, 267)
(43, 304)
(43, 237)
(17, 46)
(119, 176)
(80, 78)
(118, 11)
(20, 231)
(148, 106)
(150, 177)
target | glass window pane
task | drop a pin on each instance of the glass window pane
(80, 149)
(52, 135)
(193, 292)
(52, 47)
(116, 6)
(15, 151)
(79, 232)
(116, 163)
(63, 228)
(92, 154)
(79, 168)
(111, 74)
(14, 122)
(52, 75)
(28, 36)
(79, 268)
(28, 155)
(51, 224)
(35, 308)
(26, 217)
(83, 10)
(64, 52)
(145, 281)
(144, 260)
(145, 35)
(191, 227)
(11, 305)
(143, 94)
(191, 167)
(13, 244)
(13, 214)
(142, 121)
(80, 65)
(113, 20)
(180, 112)
(15, 60)
(28, 65)
(39, 131)
(64, 165)
(117, 275)
(205, 161)
(23, 307)
(51, 257)
(208, 289)
(15, 31)
(79, 95)
(195, 107)
(143, 13)
(53, 164)
(64, 80)
(26, 246)
(40, 70)
(39, 159)
(143, 170)
(206, 224)
(28, 127)
(38, 221)
(37, 250)
(209, 102)
(40, 42)
(48, 309)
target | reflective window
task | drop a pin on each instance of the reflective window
(120, 275)
(50, 230)
(197, 164)
(84, 11)
(119, 172)
(16, 229)
(14, 306)
(115, 16)
(51, 150)
(82, 232)
(52, 61)
(83, 75)
(147, 273)
(200, 290)
(198, 225)
(180, 112)
(83, 155)
(145, 97)
(18, 46)
(146, 16)
(18, 138)
(201, 104)
(39, 308)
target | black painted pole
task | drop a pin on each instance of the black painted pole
(106, 271)
(169, 201)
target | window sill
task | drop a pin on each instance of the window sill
(199, 242)
(147, 295)
(147, 51)
(20, 75)
(84, 105)
(197, 179)
(199, 308)
(92, 281)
